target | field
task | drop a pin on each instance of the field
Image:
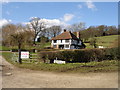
(104, 66)
(106, 41)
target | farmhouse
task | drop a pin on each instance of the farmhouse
(67, 40)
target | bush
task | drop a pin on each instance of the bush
(48, 55)
(86, 55)
(113, 53)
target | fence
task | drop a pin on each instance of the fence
(32, 58)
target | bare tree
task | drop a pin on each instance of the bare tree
(29, 36)
(38, 26)
(77, 27)
(53, 31)
(6, 31)
(18, 39)
(17, 35)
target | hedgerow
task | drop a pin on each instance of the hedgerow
(86, 55)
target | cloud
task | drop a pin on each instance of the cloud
(4, 1)
(79, 6)
(49, 22)
(4, 22)
(67, 17)
(53, 22)
(90, 5)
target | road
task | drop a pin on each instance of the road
(14, 77)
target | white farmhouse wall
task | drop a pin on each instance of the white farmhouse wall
(65, 47)
(74, 42)
(59, 42)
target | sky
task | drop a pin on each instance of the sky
(61, 13)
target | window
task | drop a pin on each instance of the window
(55, 41)
(67, 40)
(66, 46)
(54, 46)
(61, 41)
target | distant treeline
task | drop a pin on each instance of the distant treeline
(98, 31)
(46, 34)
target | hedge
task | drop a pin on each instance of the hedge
(85, 55)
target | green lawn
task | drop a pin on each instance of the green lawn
(104, 66)
(43, 45)
(105, 41)
(4, 48)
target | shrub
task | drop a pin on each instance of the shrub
(85, 55)
(113, 53)
(48, 55)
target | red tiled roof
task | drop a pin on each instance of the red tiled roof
(65, 35)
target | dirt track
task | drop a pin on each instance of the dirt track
(24, 78)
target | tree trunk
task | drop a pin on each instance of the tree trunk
(19, 57)
(34, 41)
(95, 46)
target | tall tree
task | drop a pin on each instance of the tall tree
(52, 31)
(112, 30)
(38, 26)
(18, 38)
(55, 30)
(101, 29)
(77, 27)
(6, 31)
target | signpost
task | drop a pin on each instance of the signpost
(24, 55)
(59, 62)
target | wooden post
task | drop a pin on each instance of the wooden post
(19, 51)
(19, 57)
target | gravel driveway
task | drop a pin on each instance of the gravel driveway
(14, 77)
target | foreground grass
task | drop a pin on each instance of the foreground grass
(104, 66)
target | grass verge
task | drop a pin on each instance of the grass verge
(3, 48)
(104, 66)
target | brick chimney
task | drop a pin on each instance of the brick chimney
(64, 30)
(78, 34)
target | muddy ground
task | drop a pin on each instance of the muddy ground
(13, 77)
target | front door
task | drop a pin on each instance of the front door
(61, 46)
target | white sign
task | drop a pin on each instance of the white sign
(59, 62)
(100, 47)
(24, 55)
